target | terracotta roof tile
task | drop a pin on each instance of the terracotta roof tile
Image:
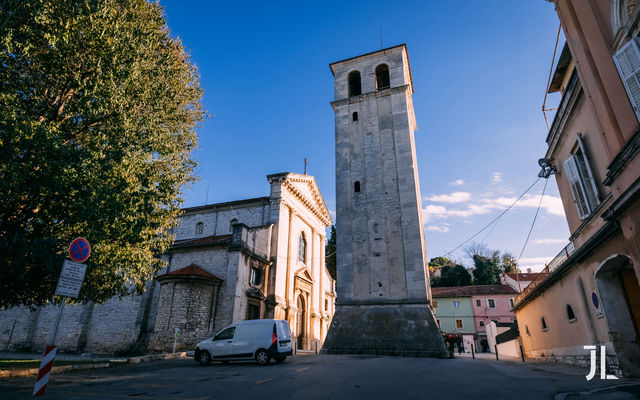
(474, 290)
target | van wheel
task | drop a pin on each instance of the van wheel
(280, 358)
(262, 357)
(205, 358)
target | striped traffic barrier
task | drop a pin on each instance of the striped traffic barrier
(45, 368)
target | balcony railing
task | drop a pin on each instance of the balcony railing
(548, 269)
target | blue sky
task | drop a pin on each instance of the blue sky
(479, 70)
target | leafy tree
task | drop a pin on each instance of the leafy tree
(452, 275)
(437, 263)
(508, 263)
(486, 271)
(330, 252)
(99, 110)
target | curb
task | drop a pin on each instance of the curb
(10, 373)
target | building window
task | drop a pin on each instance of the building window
(526, 328)
(570, 314)
(302, 248)
(627, 60)
(355, 115)
(459, 323)
(355, 83)
(481, 323)
(255, 277)
(232, 223)
(456, 304)
(326, 305)
(478, 303)
(199, 229)
(434, 303)
(491, 303)
(356, 186)
(543, 323)
(382, 77)
(511, 302)
(438, 322)
(583, 186)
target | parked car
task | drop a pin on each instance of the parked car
(259, 339)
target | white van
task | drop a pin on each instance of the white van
(259, 339)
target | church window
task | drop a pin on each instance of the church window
(526, 328)
(355, 84)
(570, 314)
(356, 186)
(302, 248)
(355, 115)
(232, 223)
(382, 77)
(256, 276)
(326, 305)
(199, 229)
(543, 323)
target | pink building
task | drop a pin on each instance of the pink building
(491, 303)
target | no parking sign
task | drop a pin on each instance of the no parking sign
(79, 250)
(596, 304)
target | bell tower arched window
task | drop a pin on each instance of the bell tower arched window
(302, 248)
(355, 83)
(382, 77)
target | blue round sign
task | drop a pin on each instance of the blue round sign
(594, 298)
(79, 250)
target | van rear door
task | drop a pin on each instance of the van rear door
(284, 336)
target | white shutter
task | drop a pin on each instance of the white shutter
(627, 59)
(592, 189)
(577, 187)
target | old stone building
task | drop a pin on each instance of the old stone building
(255, 258)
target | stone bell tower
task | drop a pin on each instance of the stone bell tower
(383, 284)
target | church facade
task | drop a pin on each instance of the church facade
(246, 259)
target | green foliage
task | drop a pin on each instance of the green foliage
(330, 252)
(452, 275)
(99, 110)
(486, 272)
(438, 262)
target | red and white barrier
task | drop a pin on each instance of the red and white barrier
(45, 368)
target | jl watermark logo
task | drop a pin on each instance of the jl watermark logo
(603, 370)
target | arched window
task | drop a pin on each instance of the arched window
(570, 314)
(232, 223)
(355, 83)
(356, 186)
(199, 229)
(543, 323)
(355, 115)
(382, 77)
(302, 248)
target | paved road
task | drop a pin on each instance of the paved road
(327, 377)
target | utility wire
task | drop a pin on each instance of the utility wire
(534, 221)
(495, 219)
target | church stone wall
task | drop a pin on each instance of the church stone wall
(218, 222)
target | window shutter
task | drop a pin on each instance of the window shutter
(577, 187)
(627, 59)
(594, 198)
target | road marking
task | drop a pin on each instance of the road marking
(302, 369)
(263, 381)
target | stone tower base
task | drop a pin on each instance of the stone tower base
(385, 329)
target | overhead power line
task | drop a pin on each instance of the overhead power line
(534, 220)
(495, 219)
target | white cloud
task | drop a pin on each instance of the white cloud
(550, 241)
(551, 204)
(496, 177)
(457, 182)
(455, 197)
(438, 228)
(536, 264)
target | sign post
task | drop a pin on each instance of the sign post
(69, 285)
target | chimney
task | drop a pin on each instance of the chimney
(528, 270)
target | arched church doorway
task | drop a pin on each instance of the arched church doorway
(620, 296)
(301, 317)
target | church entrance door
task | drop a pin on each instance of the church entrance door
(300, 321)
